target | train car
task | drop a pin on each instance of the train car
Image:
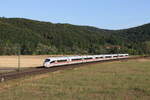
(59, 61)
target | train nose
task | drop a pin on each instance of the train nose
(46, 64)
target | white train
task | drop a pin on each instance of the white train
(58, 61)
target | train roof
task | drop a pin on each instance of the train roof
(85, 56)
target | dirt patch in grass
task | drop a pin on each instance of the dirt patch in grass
(143, 60)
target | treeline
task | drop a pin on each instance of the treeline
(18, 35)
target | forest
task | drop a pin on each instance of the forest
(31, 37)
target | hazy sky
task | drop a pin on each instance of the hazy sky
(107, 14)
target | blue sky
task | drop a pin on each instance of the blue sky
(107, 14)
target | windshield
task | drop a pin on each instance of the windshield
(47, 60)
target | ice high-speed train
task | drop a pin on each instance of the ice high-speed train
(58, 61)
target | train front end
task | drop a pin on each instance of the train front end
(46, 62)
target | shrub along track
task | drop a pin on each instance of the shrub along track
(41, 70)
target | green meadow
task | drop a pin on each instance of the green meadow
(119, 80)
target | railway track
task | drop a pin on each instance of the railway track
(40, 70)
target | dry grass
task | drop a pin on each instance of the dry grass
(26, 61)
(128, 80)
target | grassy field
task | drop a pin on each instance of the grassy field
(127, 80)
(25, 61)
(10, 63)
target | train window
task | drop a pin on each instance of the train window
(108, 56)
(98, 57)
(76, 59)
(61, 60)
(87, 58)
(47, 60)
(53, 62)
(115, 56)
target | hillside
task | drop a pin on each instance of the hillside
(36, 37)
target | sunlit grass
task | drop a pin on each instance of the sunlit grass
(127, 80)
